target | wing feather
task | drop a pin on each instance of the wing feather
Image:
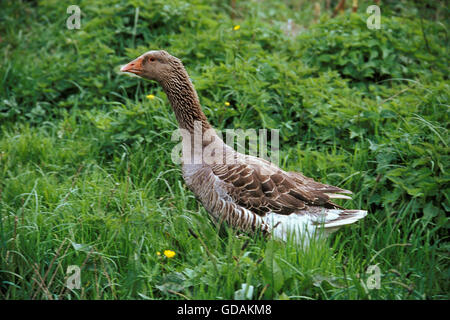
(262, 187)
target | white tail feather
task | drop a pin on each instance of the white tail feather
(337, 196)
(345, 217)
(303, 226)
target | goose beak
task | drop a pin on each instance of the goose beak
(134, 66)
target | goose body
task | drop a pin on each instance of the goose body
(248, 193)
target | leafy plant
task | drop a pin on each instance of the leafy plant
(397, 50)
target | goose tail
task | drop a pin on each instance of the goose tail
(336, 218)
(305, 226)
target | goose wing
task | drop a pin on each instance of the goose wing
(261, 187)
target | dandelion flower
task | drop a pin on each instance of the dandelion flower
(236, 27)
(150, 97)
(227, 103)
(158, 253)
(169, 253)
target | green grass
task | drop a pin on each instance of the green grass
(86, 176)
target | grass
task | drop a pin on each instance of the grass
(86, 176)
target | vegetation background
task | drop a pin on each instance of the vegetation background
(85, 172)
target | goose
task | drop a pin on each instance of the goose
(248, 193)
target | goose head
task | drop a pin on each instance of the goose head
(170, 73)
(155, 65)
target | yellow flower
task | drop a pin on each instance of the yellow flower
(236, 27)
(158, 253)
(150, 97)
(227, 103)
(169, 253)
